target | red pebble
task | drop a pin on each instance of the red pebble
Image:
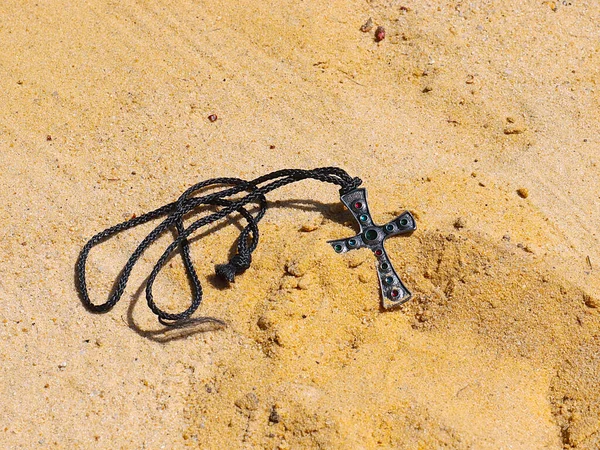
(379, 34)
(212, 117)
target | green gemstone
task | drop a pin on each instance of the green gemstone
(404, 222)
(352, 242)
(363, 218)
(389, 280)
(370, 235)
(385, 266)
(389, 227)
(338, 247)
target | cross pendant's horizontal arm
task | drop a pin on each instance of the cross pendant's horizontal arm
(403, 224)
(374, 236)
(344, 245)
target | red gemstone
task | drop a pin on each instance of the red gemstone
(395, 293)
(358, 205)
(379, 252)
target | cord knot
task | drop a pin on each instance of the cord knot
(348, 187)
(236, 265)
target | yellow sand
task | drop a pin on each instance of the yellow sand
(103, 115)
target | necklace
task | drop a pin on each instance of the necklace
(371, 236)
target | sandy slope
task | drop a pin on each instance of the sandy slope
(104, 115)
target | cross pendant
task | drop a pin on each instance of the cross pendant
(372, 236)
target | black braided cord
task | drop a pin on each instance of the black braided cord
(186, 204)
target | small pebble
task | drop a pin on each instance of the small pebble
(212, 117)
(525, 247)
(62, 365)
(590, 301)
(248, 402)
(48, 138)
(367, 26)
(311, 226)
(295, 268)
(264, 323)
(379, 34)
(523, 192)
(274, 417)
(459, 223)
(514, 129)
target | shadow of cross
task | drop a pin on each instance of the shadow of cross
(372, 236)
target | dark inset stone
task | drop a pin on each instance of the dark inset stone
(352, 242)
(388, 280)
(338, 248)
(404, 221)
(370, 235)
(389, 227)
(385, 266)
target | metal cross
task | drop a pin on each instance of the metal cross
(372, 236)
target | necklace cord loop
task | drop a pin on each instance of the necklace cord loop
(187, 204)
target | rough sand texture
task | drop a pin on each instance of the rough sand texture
(104, 115)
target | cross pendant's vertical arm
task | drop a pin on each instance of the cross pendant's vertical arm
(393, 291)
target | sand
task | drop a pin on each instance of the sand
(479, 117)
